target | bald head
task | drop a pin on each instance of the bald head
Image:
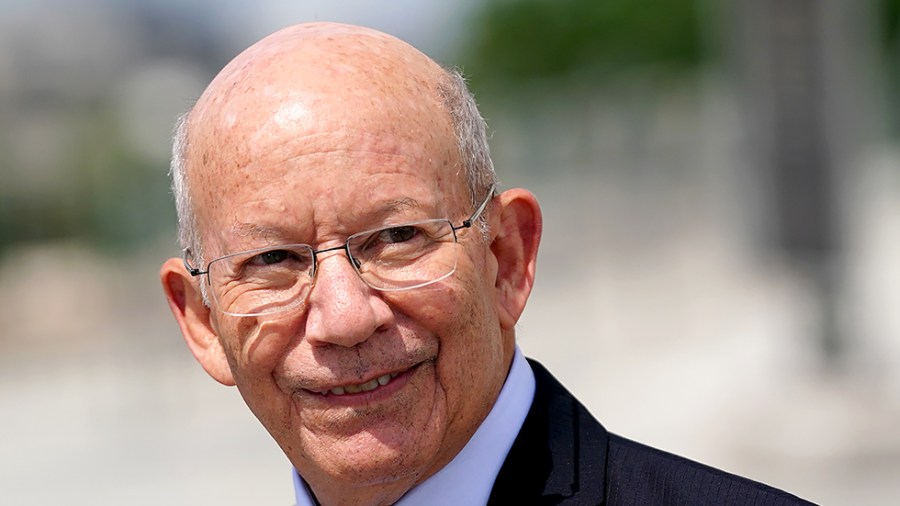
(307, 75)
(323, 76)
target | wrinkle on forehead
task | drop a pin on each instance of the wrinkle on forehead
(243, 235)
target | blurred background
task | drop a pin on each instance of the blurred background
(721, 189)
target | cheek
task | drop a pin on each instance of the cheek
(255, 349)
(255, 346)
(439, 309)
(462, 319)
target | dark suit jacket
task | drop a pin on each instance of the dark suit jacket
(563, 455)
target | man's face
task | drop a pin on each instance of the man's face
(265, 182)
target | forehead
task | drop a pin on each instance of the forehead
(350, 169)
(336, 181)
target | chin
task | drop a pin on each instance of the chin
(370, 458)
(372, 469)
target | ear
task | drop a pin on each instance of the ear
(186, 303)
(515, 245)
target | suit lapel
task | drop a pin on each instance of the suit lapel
(559, 454)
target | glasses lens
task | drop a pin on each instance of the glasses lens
(262, 281)
(405, 256)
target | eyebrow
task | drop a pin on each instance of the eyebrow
(244, 229)
(394, 206)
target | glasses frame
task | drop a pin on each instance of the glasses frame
(467, 223)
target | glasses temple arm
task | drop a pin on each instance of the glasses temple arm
(468, 223)
(193, 271)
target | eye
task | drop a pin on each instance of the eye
(397, 234)
(389, 239)
(272, 257)
(273, 261)
(401, 240)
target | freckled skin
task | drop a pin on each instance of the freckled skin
(310, 132)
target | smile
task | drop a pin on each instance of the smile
(362, 387)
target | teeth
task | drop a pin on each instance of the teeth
(365, 387)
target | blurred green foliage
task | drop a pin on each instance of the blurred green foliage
(519, 41)
(887, 14)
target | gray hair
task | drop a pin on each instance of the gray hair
(188, 235)
(471, 139)
(471, 134)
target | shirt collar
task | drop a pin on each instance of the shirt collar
(478, 463)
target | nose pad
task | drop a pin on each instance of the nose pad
(338, 251)
(335, 255)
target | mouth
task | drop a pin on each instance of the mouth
(368, 386)
(361, 395)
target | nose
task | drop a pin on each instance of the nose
(341, 308)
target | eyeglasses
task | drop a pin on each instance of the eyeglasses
(279, 278)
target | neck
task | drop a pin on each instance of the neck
(353, 495)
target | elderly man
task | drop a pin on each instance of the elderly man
(351, 267)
